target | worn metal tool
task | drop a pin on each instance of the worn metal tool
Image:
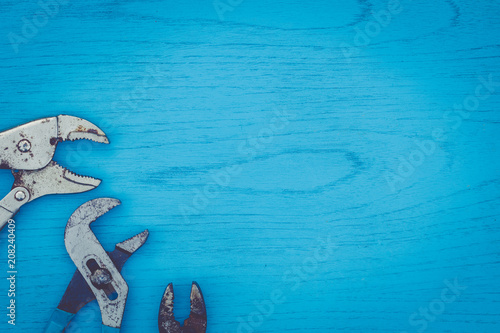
(98, 275)
(197, 321)
(28, 150)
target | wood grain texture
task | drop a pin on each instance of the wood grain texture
(187, 98)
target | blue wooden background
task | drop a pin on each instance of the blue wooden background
(310, 163)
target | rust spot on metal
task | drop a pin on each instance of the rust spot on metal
(55, 141)
(197, 321)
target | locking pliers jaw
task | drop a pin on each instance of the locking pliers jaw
(32, 146)
(28, 151)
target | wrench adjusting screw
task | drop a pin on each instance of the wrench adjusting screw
(101, 277)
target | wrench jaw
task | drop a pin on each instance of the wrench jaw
(86, 214)
(197, 321)
(133, 244)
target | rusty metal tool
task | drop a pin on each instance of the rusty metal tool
(197, 321)
(98, 275)
(27, 151)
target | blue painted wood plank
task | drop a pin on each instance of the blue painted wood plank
(315, 166)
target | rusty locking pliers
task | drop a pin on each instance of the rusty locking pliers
(28, 150)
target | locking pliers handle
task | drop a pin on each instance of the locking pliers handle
(11, 203)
